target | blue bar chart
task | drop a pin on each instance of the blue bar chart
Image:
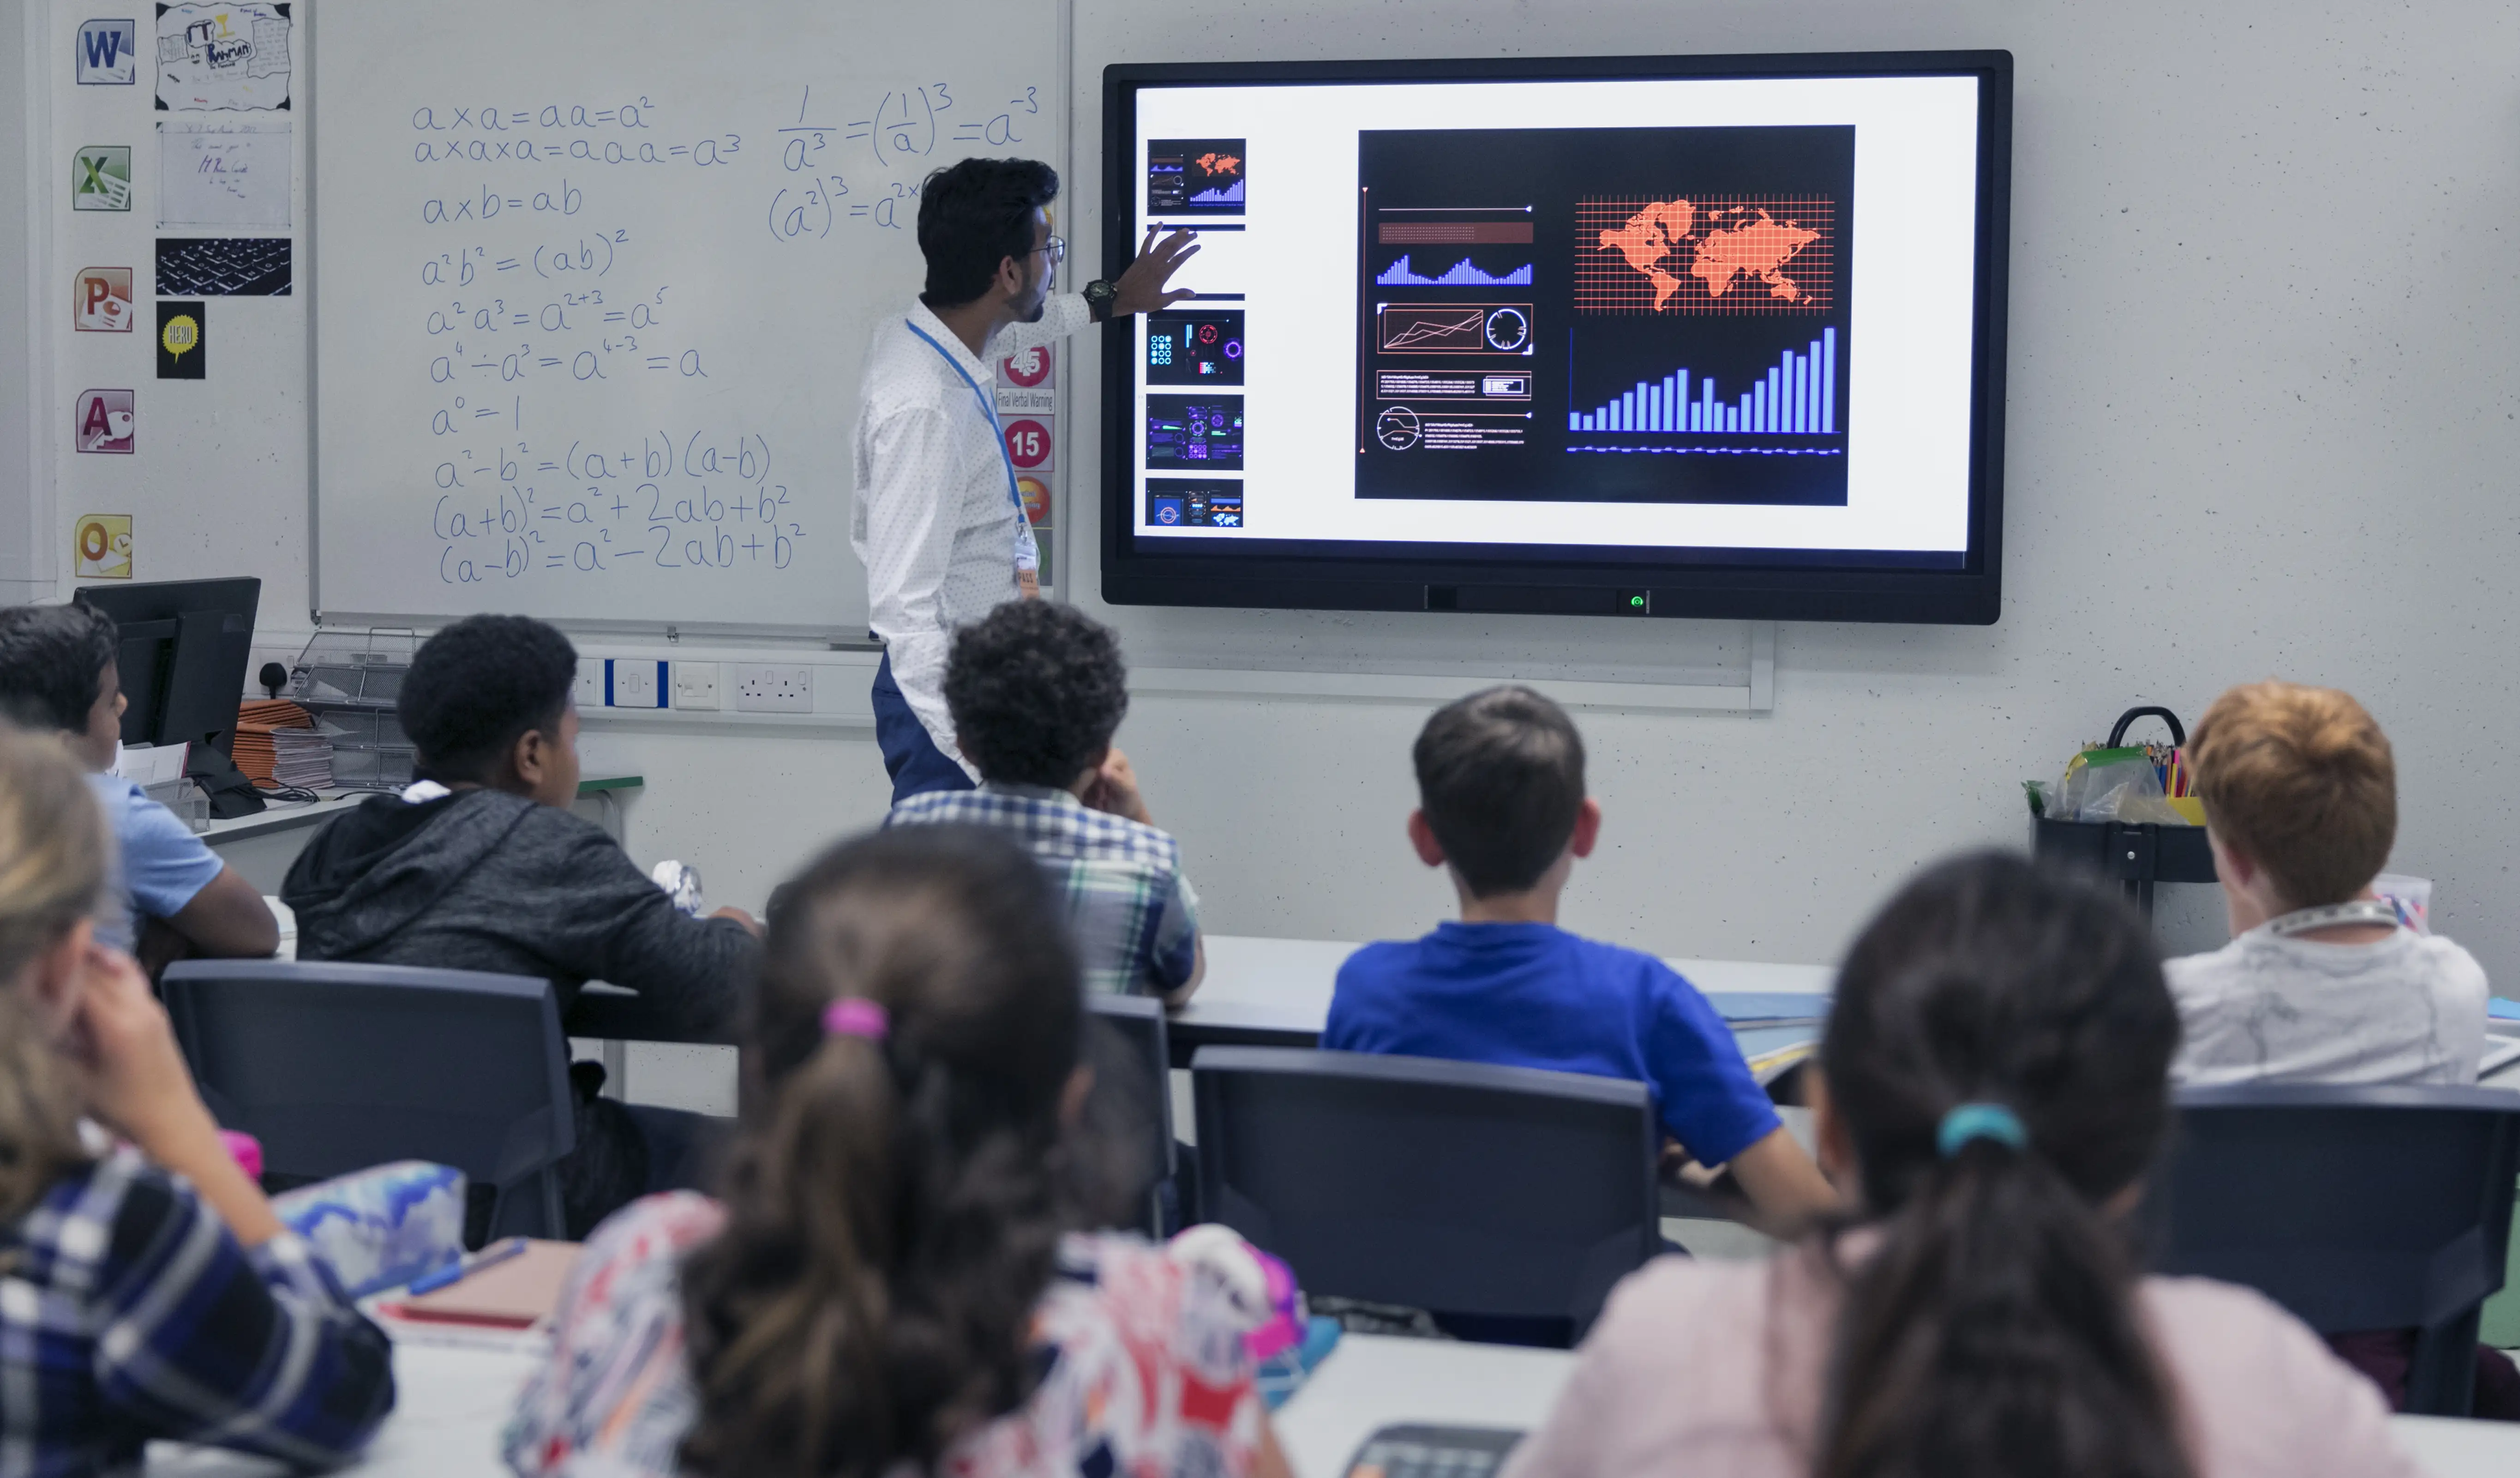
(1796, 397)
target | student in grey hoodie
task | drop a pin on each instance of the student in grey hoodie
(480, 866)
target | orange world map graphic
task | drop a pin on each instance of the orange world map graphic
(1709, 255)
(1219, 163)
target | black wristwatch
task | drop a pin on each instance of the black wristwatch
(1097, 298)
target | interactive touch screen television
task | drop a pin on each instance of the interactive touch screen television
(1666, 336)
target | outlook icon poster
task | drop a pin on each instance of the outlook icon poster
(109, 52)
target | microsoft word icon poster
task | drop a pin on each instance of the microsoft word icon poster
(109, 52)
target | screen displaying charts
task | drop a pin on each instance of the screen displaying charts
(1686, 320)
(1193, 432)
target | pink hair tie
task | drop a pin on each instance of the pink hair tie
(856, 1016)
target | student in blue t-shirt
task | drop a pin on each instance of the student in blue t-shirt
(169, 895)
(1502, 807)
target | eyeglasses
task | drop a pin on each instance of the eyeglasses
(1056, 246)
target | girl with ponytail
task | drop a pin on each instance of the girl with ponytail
(1994, 1088)
(895, 1280)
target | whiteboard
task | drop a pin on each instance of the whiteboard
(593, 285)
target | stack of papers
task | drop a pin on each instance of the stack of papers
(302, 757)
(276, 743)
(147, 765)
(252, 749)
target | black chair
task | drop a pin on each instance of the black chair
(2355, 1208)
(337, 1067)
(1506, 1195)
(1134, 1084)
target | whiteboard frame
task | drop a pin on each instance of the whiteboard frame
(670, 631)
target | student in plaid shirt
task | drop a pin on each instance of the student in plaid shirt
(146, 1291)
(1036, 691)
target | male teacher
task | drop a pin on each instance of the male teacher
(939, 520)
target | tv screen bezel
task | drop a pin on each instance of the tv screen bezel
(1758, 585)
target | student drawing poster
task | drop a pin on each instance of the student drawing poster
(223, 174)
(223, 57)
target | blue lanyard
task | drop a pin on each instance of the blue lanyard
(987, 408)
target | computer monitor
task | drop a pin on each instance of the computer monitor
(185, 646)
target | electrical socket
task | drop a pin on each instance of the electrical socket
(773, 688)
(695, 685)
(588, 690)
(634, 683)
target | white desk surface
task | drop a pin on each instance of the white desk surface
(1285, 984)
(1375, 1380)
(282, 816)
(450, 1404)
(454, 1401)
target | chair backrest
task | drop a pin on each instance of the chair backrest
(1503, 1193)
(2355, 1208)
(334, 1066)
(1139, 1022)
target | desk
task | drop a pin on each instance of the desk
(454, 1401)
(1276, 992)
(450, 1404)
(1373, 1381)
(262, 846)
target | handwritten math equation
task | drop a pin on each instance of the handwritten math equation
(584, 415)
(901, 133)
(695, 501)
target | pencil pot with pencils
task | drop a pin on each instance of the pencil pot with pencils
(2126, 812)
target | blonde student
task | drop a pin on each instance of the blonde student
(1994, 1086)
(2319, 983)
(897, 1280)
(147, 1291)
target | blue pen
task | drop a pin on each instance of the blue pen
(462, 1268)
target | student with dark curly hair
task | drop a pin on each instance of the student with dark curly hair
(1037, 691)
(479, 865)
(895, 1282)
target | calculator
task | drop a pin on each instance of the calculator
(1433, 1452)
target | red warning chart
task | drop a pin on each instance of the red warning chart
(1027, 405)
(1029, 444)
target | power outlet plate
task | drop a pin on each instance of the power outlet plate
(588, 690)
(773, 688)
(695, 685)
(634, 683)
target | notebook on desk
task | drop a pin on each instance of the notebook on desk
(1748, 1008)
(515, 1294)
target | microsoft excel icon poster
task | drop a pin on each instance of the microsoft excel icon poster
(101, 178)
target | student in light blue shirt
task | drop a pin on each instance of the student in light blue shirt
(1502, 809)
(170, 895)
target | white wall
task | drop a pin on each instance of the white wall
(2261, 421)
(22, 110)
(2261, 415)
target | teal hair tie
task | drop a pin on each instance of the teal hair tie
(1979, 1121)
